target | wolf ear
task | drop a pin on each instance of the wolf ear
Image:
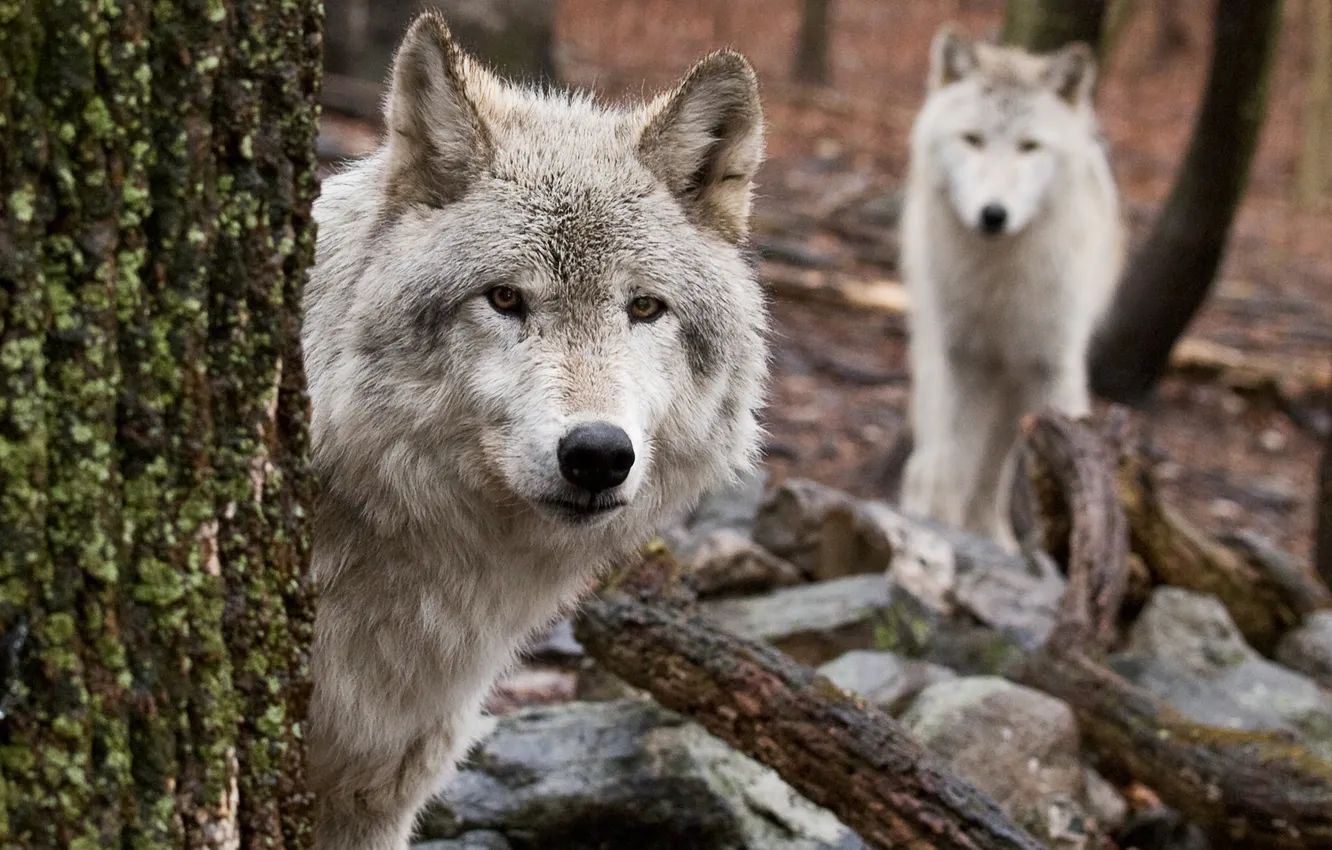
(705, 142)
(952, 57)
(437, 141)
(1072, 73)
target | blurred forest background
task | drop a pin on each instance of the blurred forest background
(1240, 414)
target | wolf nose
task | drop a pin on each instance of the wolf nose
(596, 456)
(992, 218)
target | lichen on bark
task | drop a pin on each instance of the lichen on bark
(156, 175)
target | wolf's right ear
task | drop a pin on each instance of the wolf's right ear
(952, 57)
(437, 141)
(705, 142)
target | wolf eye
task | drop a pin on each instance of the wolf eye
(505, 299)
(645, 308)
(974, 139)
(1028, 145)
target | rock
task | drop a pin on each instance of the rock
(532, 686)
(482, 840)
(557, 643)
(1104, 802)
(883, 678)
(811, 622)
(725, 563)
(1308, 649)
(1185, 648)
(733, 508)
(1016, 744)
(1058, 821)
(586, 776)
(1161, 828)
(828, 533)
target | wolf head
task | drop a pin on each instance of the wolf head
(1002, 127)
(537, 305)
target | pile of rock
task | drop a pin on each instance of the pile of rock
(920, 621)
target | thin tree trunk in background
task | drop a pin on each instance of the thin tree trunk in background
(1322, 556)
(1045, 25)
(1169, 278)
(1311, 179)
(156, 174)
(811, 63)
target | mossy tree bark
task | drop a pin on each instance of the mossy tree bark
(1169, 278)
(156, 175)
(1046, 25)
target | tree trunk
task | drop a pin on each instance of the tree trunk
(811, 63)
(1311, 172)
(156, 170)
(1045, 25)
(1171, 275)
(1323, 507)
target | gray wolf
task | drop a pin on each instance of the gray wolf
(1012, 243)
(531, 336)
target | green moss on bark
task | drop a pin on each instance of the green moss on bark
(156, 161)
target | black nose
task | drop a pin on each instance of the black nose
(596, 456)
(993, 217)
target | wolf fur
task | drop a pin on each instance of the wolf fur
(449, 529)
(1011, 247)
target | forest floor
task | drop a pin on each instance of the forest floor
(1240, 450)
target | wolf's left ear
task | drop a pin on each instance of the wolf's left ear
(1072, 73)
(705, 142)
(437, 141)
(952, 57)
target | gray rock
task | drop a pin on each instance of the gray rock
(883, 678)
(1018, 745)
(587, 776)
(1104, 802)
(813, 622)
(1308, 649)
(481, 840)
(732, 508)
(1185, 648)
(725, 562)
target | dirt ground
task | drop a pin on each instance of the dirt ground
(826, 204)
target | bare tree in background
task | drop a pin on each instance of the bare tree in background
(1042, 26)
(1311, 180)
(157, 165)
(1169, 278)
(811, 62)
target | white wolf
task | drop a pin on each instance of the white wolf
(1011, 247)
(531, 336)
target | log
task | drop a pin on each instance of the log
(1244, 789)
(1263, 604)
(835, 749)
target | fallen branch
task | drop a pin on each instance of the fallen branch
(836, 750)
(1244, 789)
(1263, 604)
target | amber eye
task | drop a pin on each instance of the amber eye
(645, 308)
(505, 299)
(1028, 145)
(974, 139)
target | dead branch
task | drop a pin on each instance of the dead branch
(835, 749)
(1244, 789)
(1263, 604)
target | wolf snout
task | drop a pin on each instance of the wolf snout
(993, 217)
(596, 456)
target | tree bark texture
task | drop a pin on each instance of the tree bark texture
(812, 44)
(156, 175)
(1042, 26)
(1170, 276)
